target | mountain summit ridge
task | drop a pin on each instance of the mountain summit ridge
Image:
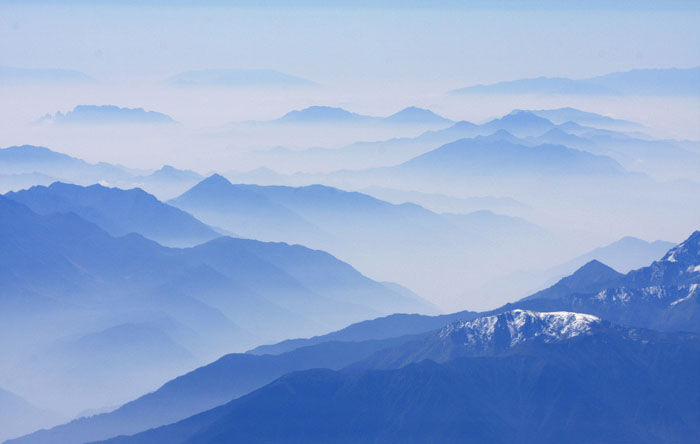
(518, 326)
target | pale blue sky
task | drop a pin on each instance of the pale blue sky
(450, 46)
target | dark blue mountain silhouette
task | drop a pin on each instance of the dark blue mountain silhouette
(231, 376)
(520, 377)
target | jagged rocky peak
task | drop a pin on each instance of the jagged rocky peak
(519, 326)
(686, 253)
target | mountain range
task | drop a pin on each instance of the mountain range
(662, 82)
(367, 232)
(563, 115)
(27, 165)
(519, 126)
(228, 377)
(338, 116)
(585, 131)
(486, 156)
(517, 376)
(441, 203)
(112, 299)
(106, 115)
(623, 255)
(119, 212)
(500, 358)
(628, 253)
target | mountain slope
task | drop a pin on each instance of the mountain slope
(366, 154)
(118, 212)
(592, 371)
(243, 210)
(367, 232)
(568, 114)
(664, 295)
(28, 159)
(17, 416)
(391, 326)
(168, 182)
(625, 254)
(593, 276)
(230, 376)
(70, 282)
(485, 157)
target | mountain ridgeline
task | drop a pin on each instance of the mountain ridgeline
(140, 290)
(570, 357)
(119, 212)
(447, 252)
(480, 383)
(113, 299)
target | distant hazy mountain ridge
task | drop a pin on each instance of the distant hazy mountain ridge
(107, 114)
(636, 82)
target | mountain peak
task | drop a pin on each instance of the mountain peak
(687, 252)
(519, 326)
(216, 179)
(414, 114)
(592, 273)
(593, 266)
(523, 116)
(463, 124)
(499, 135)
(520, 121)
(321, 114)
(591, 277)
(108, 114)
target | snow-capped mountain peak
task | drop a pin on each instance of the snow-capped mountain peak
(519, 326)
(687, 252)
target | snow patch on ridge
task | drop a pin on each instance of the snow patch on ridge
(519, 326)
(691, 292)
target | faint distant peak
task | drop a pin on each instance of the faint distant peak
(522, 116)
(643, 82)
(569, 114)
(216, 179)
(237, 78)
(411, 115)
(322, 114)
(499, 135)
(107, 114)
(29, 76)
(414, 114)
(168, 171)
(463, 124)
